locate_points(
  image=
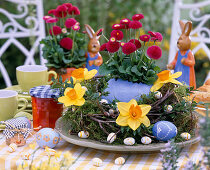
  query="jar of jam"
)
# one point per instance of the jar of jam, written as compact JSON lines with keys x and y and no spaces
{"x":46,"y":110}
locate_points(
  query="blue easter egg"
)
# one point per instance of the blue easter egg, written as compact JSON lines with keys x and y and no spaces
{"x":47,"y":137}
{"x":164,"y":130}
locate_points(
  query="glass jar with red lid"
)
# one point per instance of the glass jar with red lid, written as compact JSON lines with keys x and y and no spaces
{"x":46,"y":110}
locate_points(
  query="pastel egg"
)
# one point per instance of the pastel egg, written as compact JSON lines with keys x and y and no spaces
{"x":164,"y":130}
{"x":158,"y":95}
{"x":97,"y":162}
{"x":104,"y":101}
{"x":111,"y":137}
{"x":169,"y":108}
{"x":47,"y":137}
{"x":25,"y":156}
{"x":119,"y":161}
{"x":12,"y":147}
{"x":129,"y":141}
{"x":186,"y":136}
{"x":83,"y":134}
{"x":146,"y":140}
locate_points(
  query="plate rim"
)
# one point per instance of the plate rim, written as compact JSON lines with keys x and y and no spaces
{"x":74,"y":139}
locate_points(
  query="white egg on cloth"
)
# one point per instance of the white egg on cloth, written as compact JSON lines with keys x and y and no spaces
{"x":119,"y":161}
{"x":97,"y":162}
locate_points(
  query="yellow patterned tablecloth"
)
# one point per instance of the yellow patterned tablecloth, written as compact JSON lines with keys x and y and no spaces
{"x":83,"y":157}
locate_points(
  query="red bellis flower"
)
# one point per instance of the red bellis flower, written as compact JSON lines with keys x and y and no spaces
{"x":66,"y":43}
{"x":103,"y":47}
{"x":128,"y":48}
{"x":136,"y":42}
{"x":137,"y":17}
{"x":56,"y":30}
{"x":144,"y":38}
{"x":74,"y":11}
{"x":151,"y":33}
{"x":135,"y":25}
{"x":70,"y":22}
{"x":158,"y":37}
{"x":117,"y":34}
{"x":112,"y":46}
{"x":52,"y":20}
{"x":61,"y":11}
{"x":154,"y":52}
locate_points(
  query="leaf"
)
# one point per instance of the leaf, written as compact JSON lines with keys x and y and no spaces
{"x":66,"y":61}
{"x":150,"y":73}
{"x":103,"y":70}
{"x":121,"y":69}
{"x":135,"y":70}
{"x":81,"y":53}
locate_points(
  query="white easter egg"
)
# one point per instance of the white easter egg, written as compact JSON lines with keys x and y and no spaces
{"x":83,"y":134}
{"x":169,"y":108}
{"x":97,"y":162}
{"x":111,"y":111}
{"x":119,"y":161}
{"x":185,"y":136}
{"x":104,"y":101}
{"x":129,"y":141}
{"x":12,"y":147}
{"x":158,"y":95}
{"x":25,"y":156}
{"x":111,"y":137}
{"x":146,"y":140}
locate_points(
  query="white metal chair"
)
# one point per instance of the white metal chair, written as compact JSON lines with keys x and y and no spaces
{"x":16,"y":30}
{"x":203,"y":33}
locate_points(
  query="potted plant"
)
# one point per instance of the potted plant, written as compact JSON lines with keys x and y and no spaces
{"x":132,"y":59}
{"x":64,"y":47}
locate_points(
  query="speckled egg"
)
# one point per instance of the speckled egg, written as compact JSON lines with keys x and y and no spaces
{"x":83,"y":134}
{"x":47,"y":137}
{"x":164,"y":130}
{"x":129,"y":141}
{"x":12,"y":147}
{"x":97,"y":162}
{"x":146,"y":140}
{"x":186,"y":136}
{"x":111,"y":137}
{"x":169,"y":108}
{"x":158,"y":95}
{"x":25,"y":156}
{"x":119,"y":161}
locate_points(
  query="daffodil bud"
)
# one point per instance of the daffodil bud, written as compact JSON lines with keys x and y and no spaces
{"x":158,"y":95}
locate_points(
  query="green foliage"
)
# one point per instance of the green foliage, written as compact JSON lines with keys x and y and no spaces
{"x":58,"y":57}
{"x":135,"y":68}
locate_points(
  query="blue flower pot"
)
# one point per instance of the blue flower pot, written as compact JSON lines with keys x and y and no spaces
{"x":124,"y":91}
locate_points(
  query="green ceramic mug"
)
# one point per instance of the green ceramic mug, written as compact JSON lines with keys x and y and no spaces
{"x":9,"y":104}
{"x":29,"y":76}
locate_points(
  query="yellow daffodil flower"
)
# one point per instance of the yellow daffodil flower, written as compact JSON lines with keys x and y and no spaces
{"x":165,"y":77}
{"x":83,"y":74}
{"x":73,"y":96}
{"x":132,"y":114}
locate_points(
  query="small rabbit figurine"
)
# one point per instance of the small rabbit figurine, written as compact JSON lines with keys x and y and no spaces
{"x":184,"y":60}
{"x":94,"y":59}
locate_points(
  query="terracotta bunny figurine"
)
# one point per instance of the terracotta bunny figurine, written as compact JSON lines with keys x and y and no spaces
{"x":94,"y":59}
{"x":184,"y":60}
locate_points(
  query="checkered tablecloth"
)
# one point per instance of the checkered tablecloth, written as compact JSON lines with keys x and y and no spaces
{"x":83,"y":157}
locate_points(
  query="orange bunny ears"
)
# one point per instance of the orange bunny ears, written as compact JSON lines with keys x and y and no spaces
{"x":91,"y":33}
{"x":185,"y":27}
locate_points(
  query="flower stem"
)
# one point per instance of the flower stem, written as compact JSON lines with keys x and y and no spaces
{"x":73,"y":43}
